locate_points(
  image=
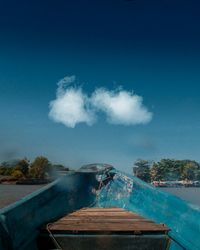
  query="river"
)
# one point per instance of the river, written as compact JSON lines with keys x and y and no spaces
{"x":190,"y":194}
{"x":12,"y":193}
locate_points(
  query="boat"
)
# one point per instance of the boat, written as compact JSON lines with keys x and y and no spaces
{"x":99,"y":186}
{"x":104,"y":228}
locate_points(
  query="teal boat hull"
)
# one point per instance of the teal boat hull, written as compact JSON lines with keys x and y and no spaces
{"x":181,"y":217}
{"x":21,"y":222}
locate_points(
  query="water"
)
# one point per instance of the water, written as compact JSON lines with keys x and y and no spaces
{"x":190,"y":194}
{"x":12,"y":193}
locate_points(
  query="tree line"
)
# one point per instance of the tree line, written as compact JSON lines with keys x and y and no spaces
{"x":167,"y":170}
{"x":39,"y":168}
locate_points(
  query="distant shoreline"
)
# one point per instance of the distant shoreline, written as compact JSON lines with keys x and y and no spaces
{"x":25,"y":182}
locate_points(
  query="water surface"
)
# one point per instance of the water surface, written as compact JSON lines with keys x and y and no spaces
{"x":191,"y":194}
{"x":12,"y":193}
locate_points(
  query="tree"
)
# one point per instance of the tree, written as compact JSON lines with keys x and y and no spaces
{"x":40,"y":168}
{"x":17,"y":174}
{"x":197,"y":175}
{"x":171,"y":169}
{"x":188,"y":172}
{"x":156,"y":172}
{"x":2,"y":170}
{"x":8,"y":171}
{"x":23,"y":166}
{"x":142,"y":170}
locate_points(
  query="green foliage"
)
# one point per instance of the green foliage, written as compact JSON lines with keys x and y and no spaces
{"x":156,"y":172}
{"x":40,"y":168}
{"x":167,"y":170}
{"x":17,"y":174}
{"x":197,"y":175}
{"x":188,"y":172}
{"x":8,"y":171}
{"x":2,"y":170}
{"x":23,"y":166}
{"x":142,"y":170}
{"x":8,"y":167}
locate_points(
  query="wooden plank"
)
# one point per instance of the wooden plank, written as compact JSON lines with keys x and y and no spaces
{"x":102,"y":213}
{"x":110,"y":218}
{"x":106,"y":216}
{"x":108,"y":227}
{"x":125,"y":220}
{"x":106,"y":220}
{"x":135,"y":223}
{"x":73,"y":222}
{"x":102,"y":209}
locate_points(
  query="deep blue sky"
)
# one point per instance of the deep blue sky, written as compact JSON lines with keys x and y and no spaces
{"x":151,"y":47}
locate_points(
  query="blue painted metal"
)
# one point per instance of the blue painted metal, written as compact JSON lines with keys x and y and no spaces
{"x":135,"y":195}
{"x":21,"y":221}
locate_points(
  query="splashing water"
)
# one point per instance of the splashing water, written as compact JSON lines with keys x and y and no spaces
{"x":117,"y":192}
{"x":130,"y":193}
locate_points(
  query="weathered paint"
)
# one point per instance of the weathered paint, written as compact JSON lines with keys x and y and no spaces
{"x":21,"y":221}
{"x":180,"y":216}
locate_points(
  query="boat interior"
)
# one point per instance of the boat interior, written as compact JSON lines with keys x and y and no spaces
{"x":103,"y":228}
{"x":99,"y":207}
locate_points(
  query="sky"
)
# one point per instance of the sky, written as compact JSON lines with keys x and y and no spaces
{"x":100,"y":81}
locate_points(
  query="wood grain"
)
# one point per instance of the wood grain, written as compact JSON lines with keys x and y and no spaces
{"x":106,"y":220}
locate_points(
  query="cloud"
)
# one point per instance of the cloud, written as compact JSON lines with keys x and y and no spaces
{"x":121,"y":107}
{"x":64,"y":83}
{"x":73,"y":106}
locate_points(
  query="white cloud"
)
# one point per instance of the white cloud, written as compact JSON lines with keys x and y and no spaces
{"x":64,"y":83}
{"x":73,"y":106}
{"x":121,"y":107}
